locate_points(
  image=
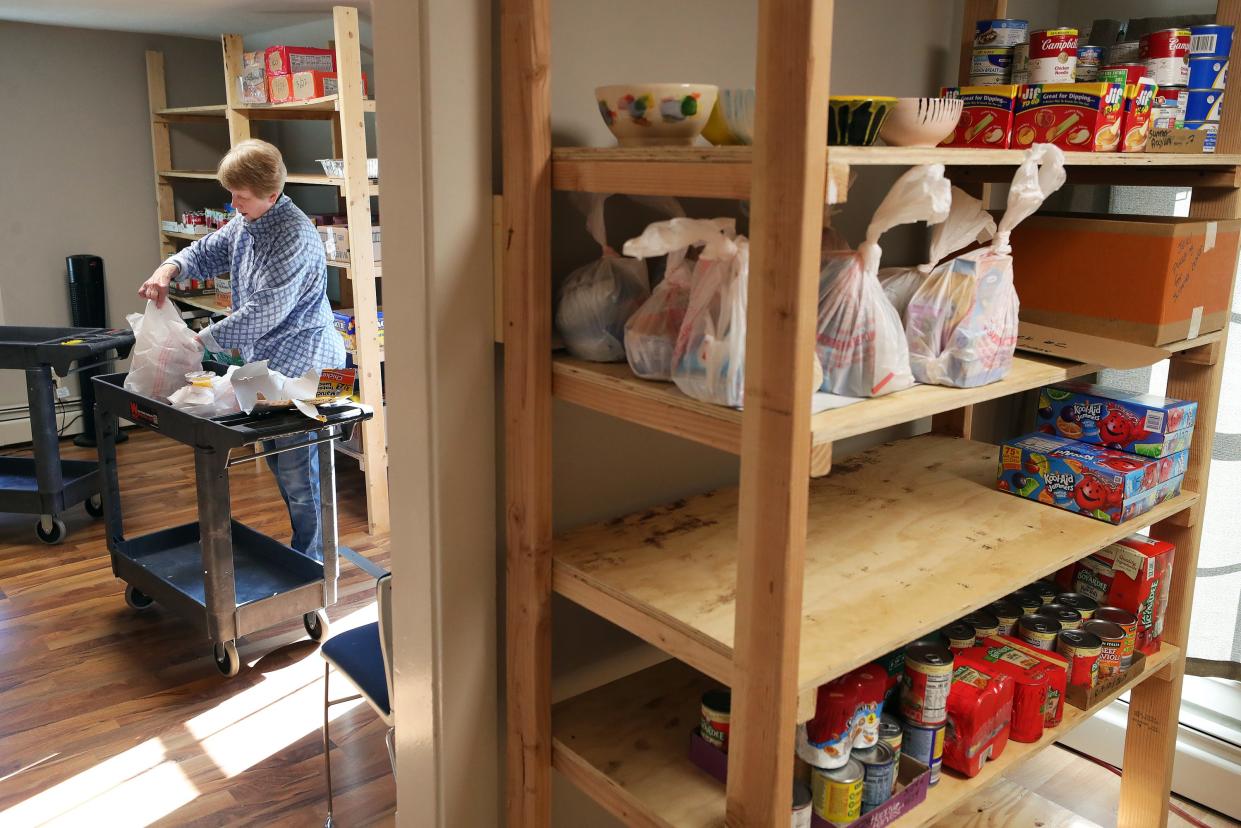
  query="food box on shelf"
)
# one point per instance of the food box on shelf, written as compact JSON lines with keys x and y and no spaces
{"x":1080,"y":117}
{"x":1098,"y":482}
{"x":336,"y":241}
{"x":192,"y":287}
{"x":1136,"y":121}
{"x":313,"y":84}
{"x":1084,"y":697}
{"x":1135,"y":574}
{"x":1163,"y":278}
{"x":1179,"y":139}
{"x":253,"y":78}
{"x":1145,"y":424}
{"x":986,"y":116}
{"x":345,"y":322}
{"x":284,"y":60}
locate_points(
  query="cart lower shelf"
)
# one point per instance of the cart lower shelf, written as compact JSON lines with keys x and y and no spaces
{"x":19,"y":486}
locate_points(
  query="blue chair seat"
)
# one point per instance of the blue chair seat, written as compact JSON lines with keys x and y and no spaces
{"x":357,"y":654}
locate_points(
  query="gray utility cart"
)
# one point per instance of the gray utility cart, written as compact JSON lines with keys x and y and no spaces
{"x":217,"y":573}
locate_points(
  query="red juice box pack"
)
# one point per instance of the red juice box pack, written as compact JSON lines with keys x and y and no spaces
{"x":1098,"y":482}
{"x":986,"y":116}
{"x":1135,"y":574}
{"x":1144,"y":424}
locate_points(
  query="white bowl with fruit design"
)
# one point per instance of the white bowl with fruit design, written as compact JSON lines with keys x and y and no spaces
{"x":656,"y":114}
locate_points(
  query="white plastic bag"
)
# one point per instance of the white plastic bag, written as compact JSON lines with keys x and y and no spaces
{"x":968,"y":222}
{"x":165,"y":350}
{"x":597,"y":299}
{"x":214,"y":400}
{"x":962,"y":321}
{"x":861,"y":343}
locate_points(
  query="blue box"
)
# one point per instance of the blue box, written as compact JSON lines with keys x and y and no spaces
{"x":1098,"y":482}
{"x":1144,"y":424}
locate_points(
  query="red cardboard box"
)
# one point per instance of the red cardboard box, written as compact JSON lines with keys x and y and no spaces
{"x":284,"y":60}
{"x":312,"y":84}
{"x":1134,"y":574}
{"x":1135,"y":124}
{"x":986,"y":116}
{"x":980,"y":710}
{"x":1077,"y":117}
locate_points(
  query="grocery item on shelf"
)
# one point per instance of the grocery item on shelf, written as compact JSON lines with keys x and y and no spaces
{"x":1038,"y":630}
{"x":1168,"y":107}
{"x":991,"y":65}
{"x":1211,"y":39}
{"x":837,"y":792}
{"x":1166,"y":55}
{"x":1111,"y":643}
{"x":1027,"y":599}
{"x":967,"y":222}
{"x":920,"y":122}
{"x":961,"y":323}
{"x":656,"y":114}
{"x":855,"y":120}
{"x":1040,"y":680}
{"x":1044,"y":590}
{"x":596,"y":300}
{"x":1089,"y":59}
{"x":253,"y":78}
{"x":922,"y":746}
{"x":335,"y":239}
{"x":1057,"y":668}
{"x":1068,"y":617}
{"x":1176,"y":273}
{"x":335,"y":167}
{"x":1007,"y":613}
{"x":1204,"y":105}
{"x":872,"y":681}
{"x":1082,"y":650}
{"x":1098,"y":482}
{"x":1145,"y":424}
{"x":1136,"y":117}
{"x":1123,"y":73}
{"x":1210,"y":133}
{"x":924,"y":687}
{"x":1124,"y":51}
{"x":984,"y":622}
{"x":224,"y":291}
{"x":346,"y":324}
{"x":1002,"y":33}
{"x":1128,"y":622}
{"x":860,"y":340}
{"x":878,"y":775}
{"x":283,"y":60}
{"x":986,"y":116}
{"x":1053,"y":56}
{"x":959,"y":635}
{"x":826,"y":740}
{"x":1085,"y":605}
{"x":716,"y":711}
{"x":980,"y":711}
{"x":1208,"y":72}
{"x":1021,"y":63}
{"x":1080,"y":117}
{"x":312,"y":84}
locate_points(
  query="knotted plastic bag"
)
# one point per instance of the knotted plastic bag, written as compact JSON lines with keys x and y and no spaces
{"x":962,"y":320}
{"x":968,"y":222}
{"x":165,"y":350}
{"x":860,"y":342}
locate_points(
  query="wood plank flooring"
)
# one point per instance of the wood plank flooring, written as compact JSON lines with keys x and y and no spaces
{"x":113,"y":717}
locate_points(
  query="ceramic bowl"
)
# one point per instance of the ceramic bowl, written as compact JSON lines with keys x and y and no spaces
{"x":855,"y":120}
{"x":656,"y":114}
{"x":732,"y":120}
{"x":920,"y":122}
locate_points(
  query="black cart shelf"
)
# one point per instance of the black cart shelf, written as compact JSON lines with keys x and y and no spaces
{"x":217,"y":573}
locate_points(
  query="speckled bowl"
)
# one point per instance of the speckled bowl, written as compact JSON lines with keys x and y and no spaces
{"x":656,"y":114}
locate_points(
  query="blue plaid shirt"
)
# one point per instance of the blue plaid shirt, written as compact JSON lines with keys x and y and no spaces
{"x":279,"y":276}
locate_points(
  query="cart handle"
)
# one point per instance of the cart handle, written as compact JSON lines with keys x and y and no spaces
{"x":236,"y":461}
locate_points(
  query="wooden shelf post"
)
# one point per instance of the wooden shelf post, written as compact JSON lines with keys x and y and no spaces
{"x":238,"y":120}
{"x":161,"y":148}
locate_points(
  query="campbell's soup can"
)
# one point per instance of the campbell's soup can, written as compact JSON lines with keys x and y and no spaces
{"x":1126,"y":51}
{"x":991,"y":63}
{"x":1210,"y":39}
{"x":1053,"y":55}
{"x":1166,"y":55}
{"x":1111,"y":641}
{"x":836,"y":793}
{"x":1082,"y":649}
{"x":925,"y":746}
{"x":1002,"y":34}
{"x":1089,"y":59}
{"x":1069,"y":618}
{"x":1168,"y":106}
{"x":924,"y":687}
{"x":1038,"y":630}
{"x":1207,"y":72}
{"x":878,"y":775}
{"x":802,"y":800}
{"x":1021,"y":63}
{"x":1124,"y":619}
{"x":1204,"y":105}
{"x":1210,"y":130}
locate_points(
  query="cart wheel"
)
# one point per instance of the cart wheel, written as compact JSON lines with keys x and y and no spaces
{"x":94,"y":506}
{"x":136,"y":599}
{"x":316,"y":624}
{"x":226,"y":659}
{"x":51,"y":529}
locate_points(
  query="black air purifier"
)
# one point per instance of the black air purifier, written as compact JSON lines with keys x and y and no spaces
{"x":88,"y":308}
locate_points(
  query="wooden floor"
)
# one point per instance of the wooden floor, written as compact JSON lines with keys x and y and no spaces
{"x":113,"y":717}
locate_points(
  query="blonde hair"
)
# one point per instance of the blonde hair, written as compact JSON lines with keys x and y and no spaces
{"x":253,"y":165}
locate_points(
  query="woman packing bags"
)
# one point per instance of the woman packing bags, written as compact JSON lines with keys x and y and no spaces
{"x":962,"y":320}
{"x":861,"y":342}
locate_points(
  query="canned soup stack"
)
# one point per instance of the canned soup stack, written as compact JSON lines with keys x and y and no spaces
{"x":1206,"y":75}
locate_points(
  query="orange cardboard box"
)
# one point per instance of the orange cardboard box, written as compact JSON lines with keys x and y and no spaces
{"x":1150,"y":280}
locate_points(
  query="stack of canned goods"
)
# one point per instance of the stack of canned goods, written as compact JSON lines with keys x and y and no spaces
{"x":995,"y":42}
{"x":1206,"y":74}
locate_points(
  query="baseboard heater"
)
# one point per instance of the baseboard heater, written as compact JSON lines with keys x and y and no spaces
{"x":15,"y":422}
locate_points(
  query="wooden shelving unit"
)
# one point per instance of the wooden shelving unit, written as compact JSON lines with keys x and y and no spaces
{"x":347,"y":112}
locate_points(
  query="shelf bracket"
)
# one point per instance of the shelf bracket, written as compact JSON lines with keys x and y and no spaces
{"x":820,"y":459}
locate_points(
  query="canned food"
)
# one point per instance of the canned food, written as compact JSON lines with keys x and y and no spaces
{"x":959,"y":634}
{"x":1027,"y":600}
{"x":1204,"y":104}
{"x":985,"y":623}
{"x":1082,"y":650}
{"x":1126,"y":51}
{"x":1211,"y":128}
{"x":1124,"y":619}
{"x":1069,"y":618}
{"x":1208,"y":72}
{"x":1053,"y":55}
{"x":992,"y":63}
{"x":1006,"y":613}
{"x":1084,"y":604}
{"x":713,"y":725}
{"x":1089,"y":59}
{"x":878,"y":775}
{"x":1044,"y":590}
{"x":1111,"y":640}
{"x":1168,"y":108}
{"x":925,"y":747}
{"x":1210,"y":39}
{"x":1004,"y":33}
{"x":1123,"y":73}
{"x":924,"y":689}
{"x":991,"y":80}
{"x":1166,"y":55}
{"x":890,"y":733}
{"x":836,"y":794}
{"x":802,"y":799}
{"x":1021,"y":62}
{"x":1038,"y":631}
{"x":873,"y":681}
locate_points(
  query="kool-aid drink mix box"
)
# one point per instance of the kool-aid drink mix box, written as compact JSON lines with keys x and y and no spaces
{"x":1144,"y":424}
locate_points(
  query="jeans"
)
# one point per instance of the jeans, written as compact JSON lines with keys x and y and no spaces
{"x":297,"y":475}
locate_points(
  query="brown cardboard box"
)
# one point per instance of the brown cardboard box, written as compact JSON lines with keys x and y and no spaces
{"x":1149,"y":280}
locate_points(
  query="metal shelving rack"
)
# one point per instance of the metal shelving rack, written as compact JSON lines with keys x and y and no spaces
{"x":347,"y":113}
{"x":759,"y":587}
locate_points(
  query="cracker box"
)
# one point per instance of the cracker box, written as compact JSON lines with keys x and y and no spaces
{"x":312,"y":84}
{"x":346,"y":325}
{"x":980,"y":711}
{"x":1144,"y":424}
{"x":284,"y":60}
{"x":1135,"y":123}
{"x":986,"y":116}
{"x":1098,"y":482}
{"x":1135,"y":574}
{"x":1079,"y":117}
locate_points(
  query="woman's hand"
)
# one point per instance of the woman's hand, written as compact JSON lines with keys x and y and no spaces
{"x":156,"y":287}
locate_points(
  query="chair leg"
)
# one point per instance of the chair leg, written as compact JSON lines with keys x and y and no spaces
{"x":390,"y":741}
{"x":327,"y":755}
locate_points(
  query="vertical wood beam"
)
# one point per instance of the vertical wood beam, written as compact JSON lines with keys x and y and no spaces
{"x":794,"y":41}
{"x":238,"y":122}
{"x":525,"y":54}
{"x":161,"y":148}
{"x":362,"y":262}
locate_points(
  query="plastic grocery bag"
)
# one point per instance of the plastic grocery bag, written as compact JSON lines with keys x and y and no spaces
{"x":165,"y":350}
{"x":651,"y":333}
{"x":214,"y":398}
{"x":597,"y":299}
{"x":968,"y":221}
{"x":861,"y":342}
{"x":962,"y":321}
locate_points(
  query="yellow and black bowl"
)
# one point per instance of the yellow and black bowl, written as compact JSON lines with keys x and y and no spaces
{"x":854,"y":120}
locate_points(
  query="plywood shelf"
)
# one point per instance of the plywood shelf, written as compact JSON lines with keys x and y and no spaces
{"x":206,"y":303}
{"x":323,"y":108}
{"x":213,"y":113}
{"x":315,"y":179}
{"x":901,"y":539}
{"x":184,"y":236}
{"x":626,"y":745}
